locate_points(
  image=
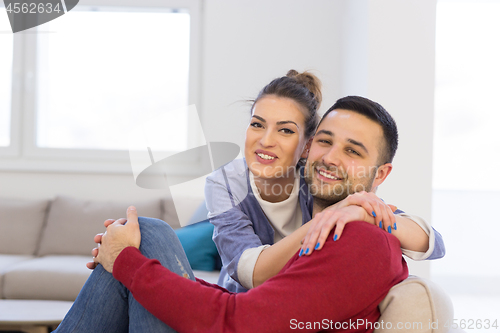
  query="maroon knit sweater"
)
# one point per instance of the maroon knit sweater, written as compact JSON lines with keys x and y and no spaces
{"x":335,"y":289}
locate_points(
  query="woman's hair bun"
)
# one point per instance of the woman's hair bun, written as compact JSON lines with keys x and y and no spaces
{"x":310,"y":81}
{"x":292,"y":73}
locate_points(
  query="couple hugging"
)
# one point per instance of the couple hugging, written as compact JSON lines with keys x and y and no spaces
{"x":302,"y":236}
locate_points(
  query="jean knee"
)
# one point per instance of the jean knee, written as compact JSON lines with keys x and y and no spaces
{"x":148,"y":222}
{"x":155,"y":227}
{"x":158,"y":240}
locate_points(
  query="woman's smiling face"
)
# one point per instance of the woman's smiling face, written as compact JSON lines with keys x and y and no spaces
{"x":275,"y":139}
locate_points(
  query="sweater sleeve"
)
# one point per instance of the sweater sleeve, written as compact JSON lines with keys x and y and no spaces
{"x":344,"y":281}
{"x":246,"y":265}
{"x":436,"y":245}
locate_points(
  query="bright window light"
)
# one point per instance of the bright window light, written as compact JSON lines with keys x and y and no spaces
{"x":102,"y":72}
{"x":6,"y":49}
{"x":466,"y":140}
{"x":466,"y":161}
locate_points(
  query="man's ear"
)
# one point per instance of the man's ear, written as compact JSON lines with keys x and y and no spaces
{"x":382,"y":172}
{"x":305,"y":153}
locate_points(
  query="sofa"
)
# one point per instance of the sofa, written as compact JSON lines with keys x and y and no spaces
{"x":44,"y":245}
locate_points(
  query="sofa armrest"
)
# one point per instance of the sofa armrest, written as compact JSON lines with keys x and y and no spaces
{"x":415,"y":305}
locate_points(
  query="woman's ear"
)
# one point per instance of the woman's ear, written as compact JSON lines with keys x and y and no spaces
{"x":305,"y":153}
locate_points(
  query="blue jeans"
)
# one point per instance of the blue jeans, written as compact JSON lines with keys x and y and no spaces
{"x":105,"y":305}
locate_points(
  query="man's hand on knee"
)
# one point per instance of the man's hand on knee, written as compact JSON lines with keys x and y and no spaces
{"x":97,"y":239}
{"x":120,"y":234}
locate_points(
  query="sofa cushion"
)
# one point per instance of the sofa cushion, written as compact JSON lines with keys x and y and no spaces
{"x":49,"y":278}
{"x":211,"y":277}
{"x":200,"y":214}
{"x":21,"y":223}
{"x":6,"y":262}
{"x":186,"y":205}
{"x":169,"y":214}
{"x":200,"y":249}
{"x":73,"y":223}
{"x":415,"y":305}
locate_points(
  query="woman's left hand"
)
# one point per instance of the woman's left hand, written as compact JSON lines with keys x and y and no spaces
{"x":361,"y":206}
{"x":374,"y":206}
{"x":323,"y":223}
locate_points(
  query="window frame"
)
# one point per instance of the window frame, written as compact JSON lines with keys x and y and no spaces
{"x":23,"y":153}
{"x":13,"y":149}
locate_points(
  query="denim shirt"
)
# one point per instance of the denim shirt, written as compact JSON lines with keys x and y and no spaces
{"x":239,"y":221}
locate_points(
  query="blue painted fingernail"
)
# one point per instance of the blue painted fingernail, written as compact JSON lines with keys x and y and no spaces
{"x":317,"y":246}
{"x":380,"y":224}
{"x":301,"y":251}
{"x":374,"y":215}
{"x":395,"y":227}
{"x":335,"y":237}
{"x":307,"y":250}
{"x":389,"y":229}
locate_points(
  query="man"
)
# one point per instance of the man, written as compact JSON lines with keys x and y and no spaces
{"x":337,"y":288}
{"x":360,"y":164}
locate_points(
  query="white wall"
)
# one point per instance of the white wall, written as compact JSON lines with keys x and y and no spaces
{"x":381,"y":49}
{"x":388,"y":56}
{"x":248,"y":43}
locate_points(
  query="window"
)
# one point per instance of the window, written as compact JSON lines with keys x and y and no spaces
{"x":466,"y":186}
{"x":6,"y":45}
{"x":467,"y":86}
{"x":83,"y":81}
{"x":97,"y":81}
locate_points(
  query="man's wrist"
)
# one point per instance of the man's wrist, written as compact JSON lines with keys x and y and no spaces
{"x":126,"y":263}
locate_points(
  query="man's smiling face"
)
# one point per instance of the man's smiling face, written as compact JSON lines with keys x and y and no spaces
{"x":344,"y":156}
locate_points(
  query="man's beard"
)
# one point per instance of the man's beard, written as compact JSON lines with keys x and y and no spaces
{"x":326,"y":194}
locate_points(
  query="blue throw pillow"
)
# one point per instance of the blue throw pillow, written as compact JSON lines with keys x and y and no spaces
{"x":196,"y":239}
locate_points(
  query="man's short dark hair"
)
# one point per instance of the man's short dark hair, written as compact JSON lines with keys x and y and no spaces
{"x":378,"y":114}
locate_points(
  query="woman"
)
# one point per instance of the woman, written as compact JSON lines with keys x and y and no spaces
{"x":259,"y":205}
